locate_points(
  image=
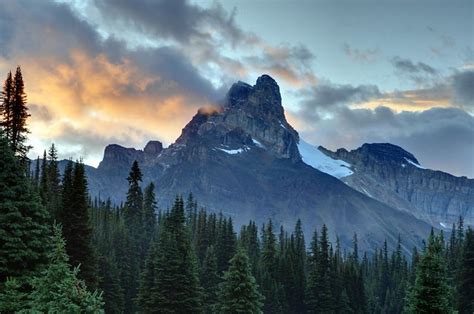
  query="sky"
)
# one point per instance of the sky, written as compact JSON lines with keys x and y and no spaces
{"x":351,"y":72}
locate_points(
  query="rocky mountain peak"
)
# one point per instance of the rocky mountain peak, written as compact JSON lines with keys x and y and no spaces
{"x":153,"y":148}
{"x":249,"y":115}
{"x":387,"y":152}
{"x":263,"y":100}
{"x":384,"y":153}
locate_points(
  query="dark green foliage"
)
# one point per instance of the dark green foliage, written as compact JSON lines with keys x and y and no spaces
{"x":6,"y":105}
{"x":23,"y":220}
{"x":12,"y":299}
{"x":430,"y":293}
{"x":466,"y":278}
{"x":58,"y":290}
{"x":172,"y":272}
{"x":110,"y":285}
{"x":134,"y":243}
{"x":53,"y":180}
{"x":16,"y":114}
{"x":225,"y":244}
{"x":319,"y":295}
{"x":209,"y":280}
{"x":149,"y":211}
{"x":76,"y":223}
{"x":239,"y":291}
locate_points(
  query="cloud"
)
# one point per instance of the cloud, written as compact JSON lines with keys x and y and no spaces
{"x":463,"y":86}
{"x":168,"y":19}
{"x":407,"y":66}
{"x":433,"y":122}
{"x":368,"y":55}
{"x":290,"y":63}
{"x":325,"y":97}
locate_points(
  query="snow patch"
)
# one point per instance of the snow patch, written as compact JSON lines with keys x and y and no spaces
{"x":315,"y":158}
{"x":281,"y":124}
{"x":442,"y":224}
{"x":232,"y":151}
{"x":258,"y":143}
{"x":367,"y":193}
{"x":414,"y":164}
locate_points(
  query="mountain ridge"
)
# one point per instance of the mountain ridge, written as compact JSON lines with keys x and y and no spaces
{"x":242,"y":157}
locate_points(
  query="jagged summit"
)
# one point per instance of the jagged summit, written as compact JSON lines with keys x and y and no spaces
{"x":249,"y":116}
{"x":263,"y":100}
{"x":374,"y":152}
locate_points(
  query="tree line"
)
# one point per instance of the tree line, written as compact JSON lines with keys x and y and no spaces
{"x":61,"y":251}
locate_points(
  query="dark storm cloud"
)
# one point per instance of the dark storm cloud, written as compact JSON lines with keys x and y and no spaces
{"x":441,"y":138}
{"x":463,"y":86}
{"x":52,"y":30}
{"x":326,"y":97}
{"x":407,"y":66}
{"x":175,"y":19}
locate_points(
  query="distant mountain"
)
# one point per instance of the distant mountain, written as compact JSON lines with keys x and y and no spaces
{"x":242,"y":157}
{"x":392,"y":175}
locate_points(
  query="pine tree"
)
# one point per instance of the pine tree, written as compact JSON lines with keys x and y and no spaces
{"x":176,"y":283}
{"x":53,"y":180}
{"x":110,"y":285}
{"x":430,"y":293}
{"x":466,"y":291}
{"x":148,"y":275}
{"x":58,"y":290}
{"x":133,"y":205}
{"x":239,"y":291}
{"x":299,"y":269}
{"x":271,"y":288}
{"x":43,"y":185}
{"x":77,"y":228}
{"x":12,"y":298}
{"x":24,"y":226}
{"x":226,"y":244}
{"x":209,"y":280}
{"x":320,"y":299}
{"x":19,"y":114}
{"x":6,"y":106}
{"x":149,"y":211}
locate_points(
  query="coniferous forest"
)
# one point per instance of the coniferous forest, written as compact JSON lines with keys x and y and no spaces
{"x":63,"y":251}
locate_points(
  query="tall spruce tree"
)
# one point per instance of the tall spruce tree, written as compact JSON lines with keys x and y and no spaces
{"x":6,"y":106}
{"x":24,"y":230}
{"x":210,"y":280}
{"x":58,"y":289}
{"x":176,"y":282}
{"x":19,"y":114}
{"x":430,"y":293}
{"x":319,"y":297}
{"x":133,"y":219}
{"x":149,"y":211}
{"x":239,"y":291}
{"x":466,"y":278}
{"x":76,"y":223}
{"x":53,"y":180}
{"x":270,"y":286}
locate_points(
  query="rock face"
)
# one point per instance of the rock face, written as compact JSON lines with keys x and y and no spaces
{"x":242,"y":158}
{"x":392,"y":175}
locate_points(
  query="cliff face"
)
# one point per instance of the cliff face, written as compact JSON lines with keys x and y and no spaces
{"x":392,"y":175}
{"x":242,"y":157}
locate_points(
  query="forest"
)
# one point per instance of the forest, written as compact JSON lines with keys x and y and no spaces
{"x":63,"y":251}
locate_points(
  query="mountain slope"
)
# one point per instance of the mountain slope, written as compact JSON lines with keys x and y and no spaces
{"x":243,"y":158}
{"x":393,"y":176}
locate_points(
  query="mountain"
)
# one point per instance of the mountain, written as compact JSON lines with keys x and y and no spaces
{"x":243,"y":158}
{"x":393,"y":176}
